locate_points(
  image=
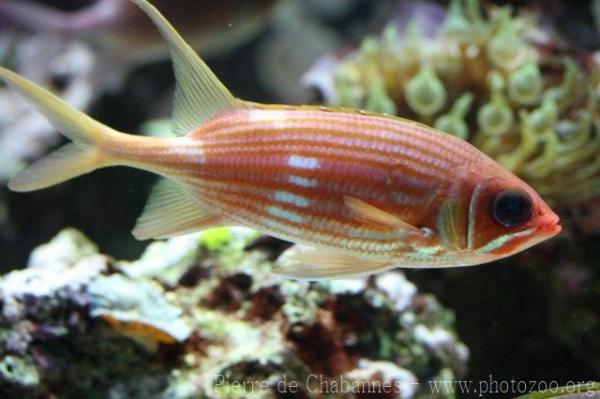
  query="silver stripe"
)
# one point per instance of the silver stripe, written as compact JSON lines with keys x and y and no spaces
{"x":285,"y":214}
{"x":302,"y":181}
{"x":365,"y":144}
{"x":302,"y":162}
{"x":290,"y":198}
{"x":355,"y":154}
{"x":500,"y":241}
{"x":473,"y":212}
{"x":369,"y":126}
{"x":247,"y":211}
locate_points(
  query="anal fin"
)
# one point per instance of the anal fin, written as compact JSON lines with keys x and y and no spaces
{"x":302,"y":262}
{"x":172,"y":211}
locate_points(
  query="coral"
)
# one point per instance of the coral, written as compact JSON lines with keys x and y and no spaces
{"x":123,"y":30}
{"x":303,"y":31}
{"x":204,"y":316}
{"x":298,"y":37}
{"x":499,"y":81}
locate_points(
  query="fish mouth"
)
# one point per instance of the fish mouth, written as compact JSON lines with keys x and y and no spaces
{"x":551,"y":228}
{"x":541,"y":233}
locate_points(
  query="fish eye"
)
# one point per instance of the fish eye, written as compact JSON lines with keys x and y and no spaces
{"x":511,"y":207}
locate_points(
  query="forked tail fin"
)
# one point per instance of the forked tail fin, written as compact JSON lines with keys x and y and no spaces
{"x":199,"y":95}
{"x":81,"y":156}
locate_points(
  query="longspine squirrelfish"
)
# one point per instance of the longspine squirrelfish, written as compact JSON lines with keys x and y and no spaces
{"x":362,"y":192}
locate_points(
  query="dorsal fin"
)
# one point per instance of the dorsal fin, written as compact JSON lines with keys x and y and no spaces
{"x":171,"y":211}
{"x":199,"y":93}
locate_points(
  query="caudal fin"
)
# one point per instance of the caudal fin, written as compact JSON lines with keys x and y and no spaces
{"x":199,"y":95}
{"x":79,"y":157}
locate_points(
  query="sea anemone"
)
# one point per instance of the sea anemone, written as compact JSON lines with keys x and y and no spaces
{"x":498,"y":81}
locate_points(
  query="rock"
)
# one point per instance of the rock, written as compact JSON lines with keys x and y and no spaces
{"x":137,"y":309}
{"x":203,"y":316}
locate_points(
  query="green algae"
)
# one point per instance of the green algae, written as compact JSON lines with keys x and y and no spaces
{"x":221,"y":325}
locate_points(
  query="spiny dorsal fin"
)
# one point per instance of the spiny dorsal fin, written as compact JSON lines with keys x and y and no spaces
{"x":199,"y":93}
{"x":303,"y":262}
{"x":171,"y":211}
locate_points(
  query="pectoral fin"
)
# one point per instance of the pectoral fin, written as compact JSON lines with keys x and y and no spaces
{"x":308,"y":263}
{"x":372,"y":214}
{"x":171,"y":211}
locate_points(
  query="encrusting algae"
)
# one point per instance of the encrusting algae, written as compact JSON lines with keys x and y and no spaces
{"x":203,"y":316}
{"x":497,"y":82}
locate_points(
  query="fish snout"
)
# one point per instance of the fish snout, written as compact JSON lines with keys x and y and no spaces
{"x":551,"y":225}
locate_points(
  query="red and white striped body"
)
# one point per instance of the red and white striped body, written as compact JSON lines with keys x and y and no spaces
{"x":367,"y":192}
{"x":286,"y":172}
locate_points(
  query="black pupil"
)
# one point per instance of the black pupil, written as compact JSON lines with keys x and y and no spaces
{"x":511,"y":208}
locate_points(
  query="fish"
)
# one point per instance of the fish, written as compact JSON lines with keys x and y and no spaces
{"x":118,"y":27}
{"x":360,"y":192}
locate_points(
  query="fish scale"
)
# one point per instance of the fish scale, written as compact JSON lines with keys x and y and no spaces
{"x":331,"y":186}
